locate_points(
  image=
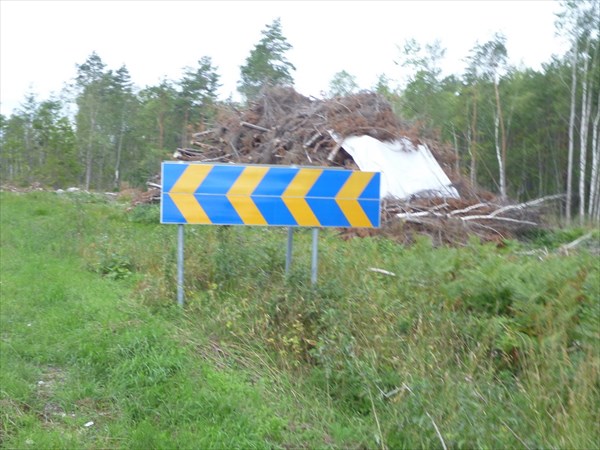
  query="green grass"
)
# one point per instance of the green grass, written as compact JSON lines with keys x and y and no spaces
{"x":473,"y":347}
{"x":76,"y":349}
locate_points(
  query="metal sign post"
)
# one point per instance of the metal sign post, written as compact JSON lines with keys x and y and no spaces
{"x":315,"y":256}
{"x":288,"y":253}
{"x":180,"y":265}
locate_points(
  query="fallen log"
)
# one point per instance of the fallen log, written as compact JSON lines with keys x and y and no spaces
{"x":468,"y":208}
{"x":204,"y":133}
{"x":237,"y":155}
{"x":501,"y":219}
{"x":333,"y":153}
{"x":564,"y":249}
{"x":312,"y":140}
{"x":527,"y":204}
{"x":203,"y":145}
{"x":255,"y":127}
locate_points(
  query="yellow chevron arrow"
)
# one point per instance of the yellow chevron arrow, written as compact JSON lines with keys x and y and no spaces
{"x":294,"y":197}
{"x":189,"y":208}
{"x":347,"y":199}
{"x":191,"y":178}
{"x":240,"y":192}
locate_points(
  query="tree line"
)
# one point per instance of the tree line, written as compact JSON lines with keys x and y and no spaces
{"x":519,"y":132}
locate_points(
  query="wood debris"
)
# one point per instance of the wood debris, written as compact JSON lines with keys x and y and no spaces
{"x":284,"y":127}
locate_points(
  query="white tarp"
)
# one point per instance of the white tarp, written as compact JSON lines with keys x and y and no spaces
{"x":406,"y":170}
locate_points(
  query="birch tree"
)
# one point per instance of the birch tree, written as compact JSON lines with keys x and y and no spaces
{"x":579,"y":21}
{"x":594,"y":200}
{"x":420,"y":97}
{"x":569,"y":200}
{"x":491,"y":57}
{"x":586,"y":100}
{"x":590,"y":92}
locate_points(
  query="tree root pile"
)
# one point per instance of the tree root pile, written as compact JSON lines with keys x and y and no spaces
{"x":284,"y":127}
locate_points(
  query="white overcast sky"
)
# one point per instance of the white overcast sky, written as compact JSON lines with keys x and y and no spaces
{"x":42,"y":41}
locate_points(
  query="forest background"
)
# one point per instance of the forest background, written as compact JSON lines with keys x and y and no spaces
{"x":518,"y":132}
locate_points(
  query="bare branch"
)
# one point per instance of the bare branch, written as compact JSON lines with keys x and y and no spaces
{"x":256,"y":127}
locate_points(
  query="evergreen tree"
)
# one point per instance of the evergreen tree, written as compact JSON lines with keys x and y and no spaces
{"x":383,"y":88}
{"x":37,"y":144}
{"x":156,"y":120}
{"x":104,"y":119}
{"x":197,"y":96}
{"x":267,"y":64}
{"x":13,"y":167}
{"x":342,"y":84}
{"x":91,"y":86}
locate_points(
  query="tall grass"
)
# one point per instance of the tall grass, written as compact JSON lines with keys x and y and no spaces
{"x":473,"y":347}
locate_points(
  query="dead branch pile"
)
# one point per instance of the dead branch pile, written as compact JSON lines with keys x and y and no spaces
{"x":455,"y":221}
{"x":284,"y":127}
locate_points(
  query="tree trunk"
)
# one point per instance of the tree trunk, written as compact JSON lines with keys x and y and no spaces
{"x":89,"y":154}
{"x":541,"y":174}
{"x":161,"y":130}
{"x":29,"y":151}
{"x":456,"y":154}
{"x":502,"y":152}
{"x":473,"y":141}
{"x":586,"y":100}
{"x":571,"y":134}
{"x":594,"y":199}
{"x":500,"y":139}
{"x":185,"y":126}
{"x":117,"y":181}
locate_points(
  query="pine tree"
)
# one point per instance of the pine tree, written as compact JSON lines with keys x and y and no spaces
{"x":342,"y":84}
{"x":267,"y":64}
{"x":198,"y":95}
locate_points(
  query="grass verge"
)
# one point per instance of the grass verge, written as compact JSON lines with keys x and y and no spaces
{"x":474,"y":347}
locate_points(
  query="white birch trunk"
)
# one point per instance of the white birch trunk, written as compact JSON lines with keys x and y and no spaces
{"x":571,"y":134}
{"x":586,"y":100}
{"x":502,"y":187}
{"x":500,"y":141}
{"x":473,"y":142}
{"x":117,"y":179}
{"x":594,"y":199}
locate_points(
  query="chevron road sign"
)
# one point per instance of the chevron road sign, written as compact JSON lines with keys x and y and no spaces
{"x":221,"y":194}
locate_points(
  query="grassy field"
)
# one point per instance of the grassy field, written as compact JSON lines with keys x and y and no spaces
{"x":471,"y":347}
